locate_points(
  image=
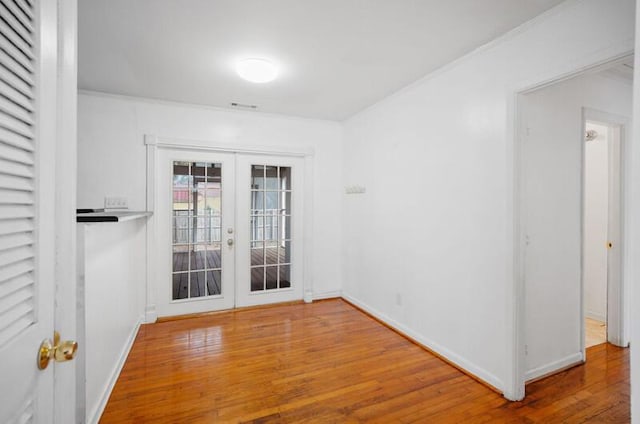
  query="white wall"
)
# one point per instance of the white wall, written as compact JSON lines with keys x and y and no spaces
{"x":596,"y":219}
{"x":631,"y":264}
{"x":429,"y":246}
{"x":552,"y":209}
{"x":111,"y":158}
{"x":111,"y":279}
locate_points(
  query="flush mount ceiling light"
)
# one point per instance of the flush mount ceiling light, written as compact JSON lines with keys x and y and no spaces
{"x":257,"y":70}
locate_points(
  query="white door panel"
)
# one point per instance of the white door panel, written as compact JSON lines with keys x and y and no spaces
{"x":269,"y":229}
{"x":195,"y":212}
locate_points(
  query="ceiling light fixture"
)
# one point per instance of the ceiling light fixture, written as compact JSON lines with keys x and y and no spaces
{"x":257,"y":70}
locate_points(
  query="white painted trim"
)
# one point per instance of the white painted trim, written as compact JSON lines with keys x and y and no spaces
{"x":307,"y":227}
{"x":573,"y":359}
{"x":612,"y":57}
{"x":216,"y":146}
{"x":579,"y":137}
{"x":67,"y":386}
{"x":454,"y":358}
{"x":95,"y":415}
{"x":151,"y":145}
{"x":328,"y":295}
{"x":199,"y":106}
{"x":514,"y":389}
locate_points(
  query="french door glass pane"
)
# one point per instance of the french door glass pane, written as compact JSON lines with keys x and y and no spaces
{"x":270,"y":227}
{"x":257,"y":278}
{"x":197,"y":268}
{"x":284,"y":273}
{"x":271,"y":178}
{"x":257,"y":177}
{"x":271,"y":280}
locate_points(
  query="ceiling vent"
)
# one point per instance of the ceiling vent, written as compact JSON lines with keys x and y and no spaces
{"x":243,"y":105}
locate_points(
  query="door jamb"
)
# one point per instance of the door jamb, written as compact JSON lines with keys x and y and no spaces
{"x":620,"y":336}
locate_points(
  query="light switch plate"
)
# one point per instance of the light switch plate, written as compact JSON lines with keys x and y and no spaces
{"x":355,"y":189}
{"x":116,"y":202}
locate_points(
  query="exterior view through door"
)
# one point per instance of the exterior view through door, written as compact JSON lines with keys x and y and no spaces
{"x":232,"y":223}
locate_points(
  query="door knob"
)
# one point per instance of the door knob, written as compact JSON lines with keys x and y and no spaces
{"x":230,"y":242}
{"x":58,"y":351}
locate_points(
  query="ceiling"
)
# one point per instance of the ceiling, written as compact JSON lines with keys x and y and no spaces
{"x":336,"y":56}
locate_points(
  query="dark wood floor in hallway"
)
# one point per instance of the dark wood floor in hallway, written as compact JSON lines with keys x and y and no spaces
{"x":327,"y":362}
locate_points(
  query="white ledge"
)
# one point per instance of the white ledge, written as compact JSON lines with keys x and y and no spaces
{"x":111,"y":216}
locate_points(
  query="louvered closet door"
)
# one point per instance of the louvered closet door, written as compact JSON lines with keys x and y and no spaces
{"x":27,"y":130}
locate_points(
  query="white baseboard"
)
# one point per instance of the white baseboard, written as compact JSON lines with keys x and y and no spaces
{"x":150,"y":314}
{"x":95,"y":415}
{"x":452,"y":357}
{"x":595,"y":315}
{"x":573,"y":359}
{"x":327,"y":295}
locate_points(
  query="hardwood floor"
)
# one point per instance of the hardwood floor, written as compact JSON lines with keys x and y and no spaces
{"x":327,"y":362}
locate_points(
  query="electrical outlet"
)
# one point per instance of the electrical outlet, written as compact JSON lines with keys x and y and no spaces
{"x":113,"y":202}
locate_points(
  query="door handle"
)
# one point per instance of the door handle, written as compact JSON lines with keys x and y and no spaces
{"x":58,"y":351}
{"x":230,"y":242}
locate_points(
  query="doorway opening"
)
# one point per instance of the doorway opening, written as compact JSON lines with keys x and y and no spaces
{"x":230,"y":230}
{"x":601,"y":224}
{"x":570,"y":203}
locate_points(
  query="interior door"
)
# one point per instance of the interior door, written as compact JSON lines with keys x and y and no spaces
{"x":269,"y":223}
{"x":27,"y":187}
{"x":195,"y":221}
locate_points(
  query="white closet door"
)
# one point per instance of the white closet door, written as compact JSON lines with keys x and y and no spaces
{"x":27,"y":148}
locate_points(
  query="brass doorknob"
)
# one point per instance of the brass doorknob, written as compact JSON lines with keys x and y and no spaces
{"x":58,"y":351}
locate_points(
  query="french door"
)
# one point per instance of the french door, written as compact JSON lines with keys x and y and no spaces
{"x":230,"y":230}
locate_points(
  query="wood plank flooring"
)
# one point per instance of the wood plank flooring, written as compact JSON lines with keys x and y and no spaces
{"x":327,"y":362}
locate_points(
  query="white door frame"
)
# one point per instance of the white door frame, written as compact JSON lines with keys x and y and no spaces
{"x":153,"y":142}
{"x":69,"y":387}
{"x":617,"y":299}
{"x":515,"y":386}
